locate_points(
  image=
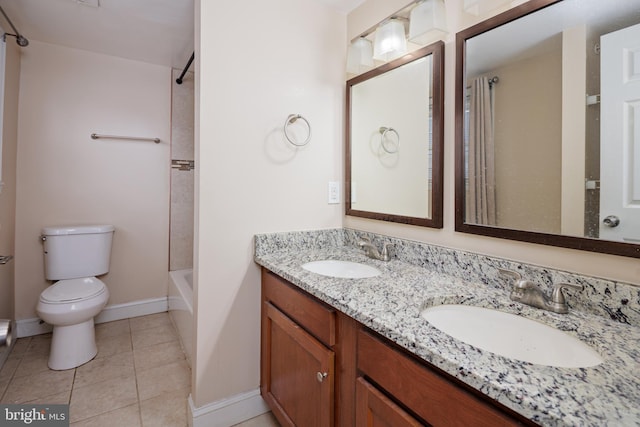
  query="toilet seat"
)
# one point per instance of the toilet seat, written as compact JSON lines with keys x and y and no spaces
{"x":70,"y":290}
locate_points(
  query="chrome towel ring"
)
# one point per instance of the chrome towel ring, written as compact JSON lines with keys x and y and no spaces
{"x":384,"y":131}
{"x":292,"y":119}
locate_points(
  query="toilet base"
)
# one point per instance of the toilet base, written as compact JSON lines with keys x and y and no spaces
{"x":72,"y":346}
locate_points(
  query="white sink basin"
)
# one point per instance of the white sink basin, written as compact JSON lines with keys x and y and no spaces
{"x":512,"y":336}
{"x":342,"y":269}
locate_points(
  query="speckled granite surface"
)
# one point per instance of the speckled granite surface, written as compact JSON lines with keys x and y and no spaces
{"x":606,"y":315}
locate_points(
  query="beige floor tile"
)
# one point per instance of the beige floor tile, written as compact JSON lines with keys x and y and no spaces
{"x":55,"y":399}
{"x":157,"y":355}
{"x":264,"y":420}
{"x":166,"y":410}
{"x":110,"y":345}
{"x":174,"y":377}
{"x":129,"y":416}
{"x":9,"y":368}
{"x":40,"y":344}
{"x":139,"y":360}
{"x":25,"y":389}
{"x":151,"y":321}
{"x":111,"y":329}
{"x":21,"y":346}
{"x":32,"y":364}
{"x":102,"y":397}
{"x":4,"y":383}
{"x":102,"y":369}
{"x":152,"y":336}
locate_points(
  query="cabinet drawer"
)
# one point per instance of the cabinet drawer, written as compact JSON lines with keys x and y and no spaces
{"x":374,"y":409}
{"x":317,"y":318}
{"x":426,"y":393}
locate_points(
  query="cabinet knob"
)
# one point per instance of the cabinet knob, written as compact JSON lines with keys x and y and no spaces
{"x":321,"y":376}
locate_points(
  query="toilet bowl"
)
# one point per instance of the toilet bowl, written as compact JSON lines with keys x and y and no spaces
{"x":70,"y":306}
{"x":74,"y":255}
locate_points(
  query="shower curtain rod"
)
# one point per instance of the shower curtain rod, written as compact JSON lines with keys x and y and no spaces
{"x":179,"y":79}
{"x":20,"y":39}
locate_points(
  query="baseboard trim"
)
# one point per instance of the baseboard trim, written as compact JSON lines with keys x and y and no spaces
{"x":229,"y":411}
{"x":31,"y":327}
{"x":132,"y":309}
{"x":35,"y":326}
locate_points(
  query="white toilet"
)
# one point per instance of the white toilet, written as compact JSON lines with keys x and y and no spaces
{"x":73,"y":256}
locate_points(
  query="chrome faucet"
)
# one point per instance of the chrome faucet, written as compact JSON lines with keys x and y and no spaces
{"x":529,"y":293}
{"x":372,"y":252}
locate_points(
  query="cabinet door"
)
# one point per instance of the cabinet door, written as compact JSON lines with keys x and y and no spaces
{"x":297,"y":372}
{"x":374,"y":409}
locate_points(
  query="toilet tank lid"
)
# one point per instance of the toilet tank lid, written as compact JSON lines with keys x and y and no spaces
{"x":77,"y":229}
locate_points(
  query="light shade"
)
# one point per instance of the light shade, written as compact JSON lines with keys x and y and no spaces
{"x":390,"y":42}
{"x":360,"y":56}
{"x":428,"y":22}
{"x":480,"y":7}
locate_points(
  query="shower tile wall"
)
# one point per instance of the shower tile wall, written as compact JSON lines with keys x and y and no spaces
{"x":181,"y":227}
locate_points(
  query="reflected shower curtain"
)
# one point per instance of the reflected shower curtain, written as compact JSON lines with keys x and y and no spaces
{"x":481,"y":194}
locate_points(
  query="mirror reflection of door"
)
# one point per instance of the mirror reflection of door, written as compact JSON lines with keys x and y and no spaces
{"x":620,"y":129}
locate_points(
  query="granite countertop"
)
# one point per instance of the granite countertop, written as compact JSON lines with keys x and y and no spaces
{"x":390,"y":304}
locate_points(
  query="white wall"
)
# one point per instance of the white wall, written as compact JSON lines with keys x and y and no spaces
{"x":65,"y":177}
{"x":257,"y":62}
{"x":608,"y":266}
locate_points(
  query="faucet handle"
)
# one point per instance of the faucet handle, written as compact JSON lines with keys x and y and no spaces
{"x":388,"y":251}
{"x":510,"y":273}
{"x":363,"y":240}
{"x":557,"y":297}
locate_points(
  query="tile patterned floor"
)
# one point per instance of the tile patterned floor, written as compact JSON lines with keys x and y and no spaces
{"x":140,"y":377}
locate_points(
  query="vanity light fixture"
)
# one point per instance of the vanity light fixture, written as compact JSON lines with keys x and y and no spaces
{"x":480,"y":7}
{"x":360,"y":56}
{"x":428,"y":22}
{"x":390,"y":41}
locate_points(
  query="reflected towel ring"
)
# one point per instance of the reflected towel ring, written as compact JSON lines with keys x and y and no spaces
{"x":292,"y":119}
{"x":384,"y":131}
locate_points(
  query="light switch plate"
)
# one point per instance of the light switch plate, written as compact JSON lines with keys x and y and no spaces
{"x":334,"y":192}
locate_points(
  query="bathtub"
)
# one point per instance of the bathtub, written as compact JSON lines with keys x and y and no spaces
{"x":181,"y":307}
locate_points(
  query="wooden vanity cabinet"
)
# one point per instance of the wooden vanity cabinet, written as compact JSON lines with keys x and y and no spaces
{"x":413,"y":386}
{"x":374,"y":409}
{"x":321,"y":368}
{"x":297,"y":357}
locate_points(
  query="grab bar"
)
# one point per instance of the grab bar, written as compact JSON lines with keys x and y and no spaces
{"x":134,"y":138}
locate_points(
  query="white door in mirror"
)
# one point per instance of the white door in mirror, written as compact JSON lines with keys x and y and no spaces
{"x":620,"y":135}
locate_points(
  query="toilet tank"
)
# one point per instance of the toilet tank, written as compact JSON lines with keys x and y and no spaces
{"x":77,"y":251}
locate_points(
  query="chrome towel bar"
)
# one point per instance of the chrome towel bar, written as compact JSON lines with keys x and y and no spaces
{"x":134,"y":138}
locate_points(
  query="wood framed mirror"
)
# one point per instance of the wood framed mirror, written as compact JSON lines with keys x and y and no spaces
{"x":394,"y":140}
{"x":548,"y":125}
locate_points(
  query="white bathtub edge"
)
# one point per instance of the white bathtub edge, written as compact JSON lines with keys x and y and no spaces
{"x":181,"y":309}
